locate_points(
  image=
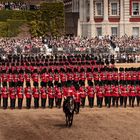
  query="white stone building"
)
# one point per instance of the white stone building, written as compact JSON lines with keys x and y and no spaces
{"x":109,"y":17}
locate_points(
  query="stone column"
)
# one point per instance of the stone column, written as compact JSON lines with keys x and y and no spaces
{"x":105,"y":19}
{"x":92,"y":23}
{"x":91,"y":11}
{"x":106,"y":10}
{"x":122,"y":18}
{"x":81,"y":4}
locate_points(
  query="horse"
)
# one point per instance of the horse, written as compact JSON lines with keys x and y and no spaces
{"x":68,"y":108}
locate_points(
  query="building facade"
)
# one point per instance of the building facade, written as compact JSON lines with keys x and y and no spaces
{"x":109,"y":17}
{"x":71,"y":16}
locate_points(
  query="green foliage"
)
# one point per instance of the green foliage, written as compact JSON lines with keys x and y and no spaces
{"x":49,"y":20}
{"x":10,"y":28}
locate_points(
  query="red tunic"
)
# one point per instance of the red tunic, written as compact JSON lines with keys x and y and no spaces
{"x":100,"y":92}
{"x":77,"y":97}
{"x":35,"y":93}
{"x":28,"y":92}
{"x":43,"y":93}
{"x":82,"y":92}
{"x":51,"y":93}
{"x":90,"y":92}
{"x":20,"y":93}
{"x":4,"y":92}
{"x":12,"y":93}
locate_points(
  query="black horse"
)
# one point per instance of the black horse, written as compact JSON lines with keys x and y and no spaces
{"x":68,"y":108}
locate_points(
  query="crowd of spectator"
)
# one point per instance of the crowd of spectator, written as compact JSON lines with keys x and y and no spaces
{"x":17,"y":6}
{"x":126,"y":49}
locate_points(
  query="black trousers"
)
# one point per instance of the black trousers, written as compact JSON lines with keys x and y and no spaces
{"x":100,"y":102}
{"x":10,"y":84}
{"x":51,"y":102}
{"x":20,"y":83}
{"x":43,"y":102}
{"x":36,"y":102}
{"x":113,"y":100}
{"x":77,"y":107}
{"x":116,"y":101}
{"x":83,"y":102}
{"x":91,"y":101}
{"x":82,"y":83}
{"x":28,"y":84}
{"x":108,"y":101}
{"x":35,"y":84}
{"x":5,"y":103}
{"x":56,"y":83}
{"x":20,"y":100}
{"x":12,"y":103}
{"x":130,"y":100}
{"x":138,"y":100}
{"x":105,"y":100}
{"x":133,"y":101}
{"x":4,"y":84}
{"x":28,"y":103}
{"x":121,"y":100}
{"x":125,"y":101}
{"x":59,"y":100}
{"x":43,"y":84}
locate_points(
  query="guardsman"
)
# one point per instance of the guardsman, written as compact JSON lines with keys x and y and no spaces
{"x":133,"y":94}
{"x":12,"y":92}
{"x":103,"y":77}
{"x":89,"y":77}
{"x":43,"y":80}
{"x":100,"y":95}
{"x":82,"y":79}
{"x":15,"y":80}
{"x":121,"y":76}
{"x":128,"y":77}
{"x":138,"y":95}
{"x":115,"y":76}
{"x":116,"y":93}
{"x":36,"y":97}
{"x":83,"y":96}
{"x":20,"y":80}
{"x":35,"y":78}
{"x":20,"y":94}
{"x":77,"y":97}
{"x":56,"y":79}
{"x":75,"y":78}
{"x":59,"y":95}
{"x":51,"y":96}
{"x":90,"y":93}
{"x":4,"y":92}
{"x":109,"y":76}
{"x":134,"y":78}
{"x":50,"y":82}
{"x":4,"y":79}
{"x":28,"y":94}
{"x":108,"y":95}
{"x":63,"y":79}
{"x":124,"y":94}
{"x":10,"y":79}
{"x":28,"y":79}
{"x":43,"y":97}
{"x":96,"y":76}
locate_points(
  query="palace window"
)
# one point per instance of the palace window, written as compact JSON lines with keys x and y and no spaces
{"x":136,"y":31}
{"x":114,"y":9}
{"x":114,"y":31}
{"x":99,"y":31}
{"x":99,"y":9}
{"x":136,"y":8}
